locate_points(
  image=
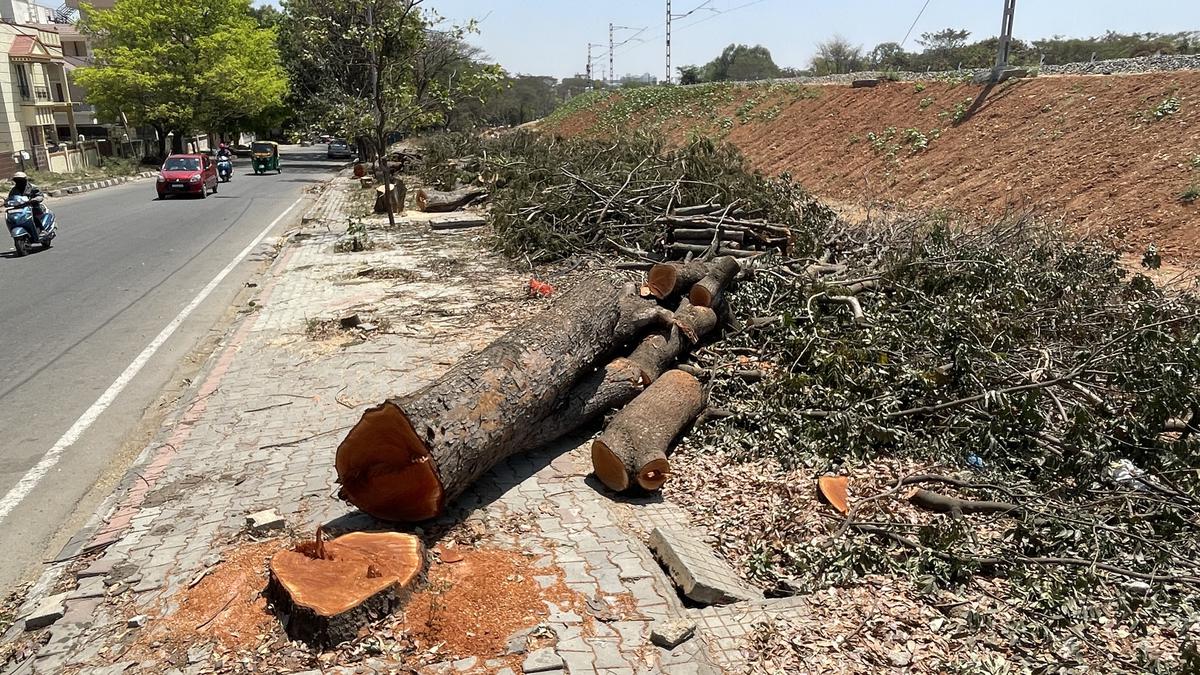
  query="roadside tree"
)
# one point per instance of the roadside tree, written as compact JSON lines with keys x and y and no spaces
{"x":182,"y":66}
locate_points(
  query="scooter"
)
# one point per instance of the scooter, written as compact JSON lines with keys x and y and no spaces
{"x":225,"y":168}
{"x":19,"y":218}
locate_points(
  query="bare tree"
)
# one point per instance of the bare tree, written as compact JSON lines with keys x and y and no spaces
{"x":836,"y":56}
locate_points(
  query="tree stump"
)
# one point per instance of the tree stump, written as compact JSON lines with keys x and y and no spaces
{"x":324,"y":592}
{"x":397,"y":192}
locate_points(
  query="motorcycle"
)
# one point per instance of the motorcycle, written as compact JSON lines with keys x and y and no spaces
{"x":225,"y":168}
{"x":19,"y":218}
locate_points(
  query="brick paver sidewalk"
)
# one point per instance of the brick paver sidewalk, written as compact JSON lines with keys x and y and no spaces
{"x":259,"y":432}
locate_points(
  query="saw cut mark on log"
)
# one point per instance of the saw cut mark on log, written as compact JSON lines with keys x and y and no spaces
{"x":720,"y":274}
{"x":325,"y":592}
{"x":408,"y":457}
{"x":633,"y":448}
{"x":668,"y":279}
{"x":434,"y":201}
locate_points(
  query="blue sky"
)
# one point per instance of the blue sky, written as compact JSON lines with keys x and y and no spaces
{"x":549,"y":37}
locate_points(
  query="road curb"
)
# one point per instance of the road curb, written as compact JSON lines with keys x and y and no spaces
{"x":99,"y":185}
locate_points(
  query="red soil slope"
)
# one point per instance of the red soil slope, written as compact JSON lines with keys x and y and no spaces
{"x":1087,"y":149}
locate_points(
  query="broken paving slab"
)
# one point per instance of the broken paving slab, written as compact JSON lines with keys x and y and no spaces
{"x":696,"y":570}
{"x":671,"y":634}
{"x":542,"y":661}
{"x":49,"y":610}
{"x":264,"y":521}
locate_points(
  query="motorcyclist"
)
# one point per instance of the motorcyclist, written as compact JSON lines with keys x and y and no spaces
{"x":22,"y":187}
{"x":224,"y":151}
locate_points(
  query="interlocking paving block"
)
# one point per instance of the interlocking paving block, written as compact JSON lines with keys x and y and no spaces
{"x":48,"y":611}
{"x":541,"y":661}
{"x":700,"y":575}
{"x":264,"y":521}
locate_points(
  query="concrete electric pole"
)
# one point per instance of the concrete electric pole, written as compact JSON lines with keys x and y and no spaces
{"x":669,"y":16}
{"x":1006,"y":34}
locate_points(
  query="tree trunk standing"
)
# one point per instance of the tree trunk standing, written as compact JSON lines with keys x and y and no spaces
{"x":374,"y":55}
{"x":409,"y":456}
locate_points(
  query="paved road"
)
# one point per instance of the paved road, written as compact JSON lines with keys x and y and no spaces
{"x":73,"y":319}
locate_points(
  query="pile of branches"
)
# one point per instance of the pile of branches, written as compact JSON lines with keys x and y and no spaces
{"x":552,"y":198}
{"x":1054,"y":390}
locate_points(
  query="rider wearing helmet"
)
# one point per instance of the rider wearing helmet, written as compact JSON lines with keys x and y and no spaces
{"x":225,"y":152}
{"x":22,"y":187}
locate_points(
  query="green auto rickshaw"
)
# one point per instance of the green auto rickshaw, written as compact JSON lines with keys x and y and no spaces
{"x":265,"y":156}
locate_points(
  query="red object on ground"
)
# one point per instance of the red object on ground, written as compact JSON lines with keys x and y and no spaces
{"x":540,"y":289}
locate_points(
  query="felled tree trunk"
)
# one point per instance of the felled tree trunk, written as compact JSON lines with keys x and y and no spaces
{"x":720,"y":274}
{"x":324,"y":592}
{"x":625,"y":378}
{"x":633,"y":448}
{"x":406,"y":458}
{"x":434,"y":201}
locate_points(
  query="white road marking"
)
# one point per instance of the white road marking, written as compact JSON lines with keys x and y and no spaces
{"x":35,"y":475}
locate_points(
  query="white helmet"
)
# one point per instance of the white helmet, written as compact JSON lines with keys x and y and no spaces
{"x":20,"y":175}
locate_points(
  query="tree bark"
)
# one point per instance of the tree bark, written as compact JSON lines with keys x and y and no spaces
{"x":406,"y":458}
{"x":435,"y":201}
{"x":721,"y":273}
{"x":324,"y":592}
{"x":633,"y":448}
{"x":397,"y":195}
{"x":668,"y":279}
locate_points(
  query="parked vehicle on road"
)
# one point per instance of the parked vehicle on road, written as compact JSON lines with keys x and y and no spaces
{"x":225,"y":168}
{"x":266,"y":156}
{"x":19,"y":218}
{"x":339,"y":149}
{"x":187,"y":175}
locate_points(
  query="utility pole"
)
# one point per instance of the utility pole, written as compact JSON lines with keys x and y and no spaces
{"x":1006,"y":34}
{"x":612,"y":71}
{"x":612,"y":48}
{"x":668,"y":80}
{"x":589,"y":63}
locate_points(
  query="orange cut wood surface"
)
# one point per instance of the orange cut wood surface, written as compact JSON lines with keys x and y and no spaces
{"x":833,"y":489}
{"x":354,"y":568}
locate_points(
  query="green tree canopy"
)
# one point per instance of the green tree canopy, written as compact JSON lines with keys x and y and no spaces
{"x":736,"y":63}
{"x":183,"y":65}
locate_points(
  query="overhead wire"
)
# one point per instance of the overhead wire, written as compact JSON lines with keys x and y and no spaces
{"x":716,"y":12}
{"x":914,"y":23}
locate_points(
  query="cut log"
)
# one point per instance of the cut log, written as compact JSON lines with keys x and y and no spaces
{"x":624,"y":379}
{"x":434,"y":201}
{"x":721,"y":273}
{"x":668,"y":279}
{"x":457,"y":223}
{"x":700,"y":250}
{"x":708,"y":234}
{"x":702,"y":209}
{"x":398,"y":194}
{"x":406,"y":458}
{"x":633,"y":448}
{"x":325,"y":592}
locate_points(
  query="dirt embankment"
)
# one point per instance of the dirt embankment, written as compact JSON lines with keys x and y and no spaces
{"x":1109,"y":155}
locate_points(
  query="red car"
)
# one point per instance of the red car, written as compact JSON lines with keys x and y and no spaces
{"x":187,"y":175}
